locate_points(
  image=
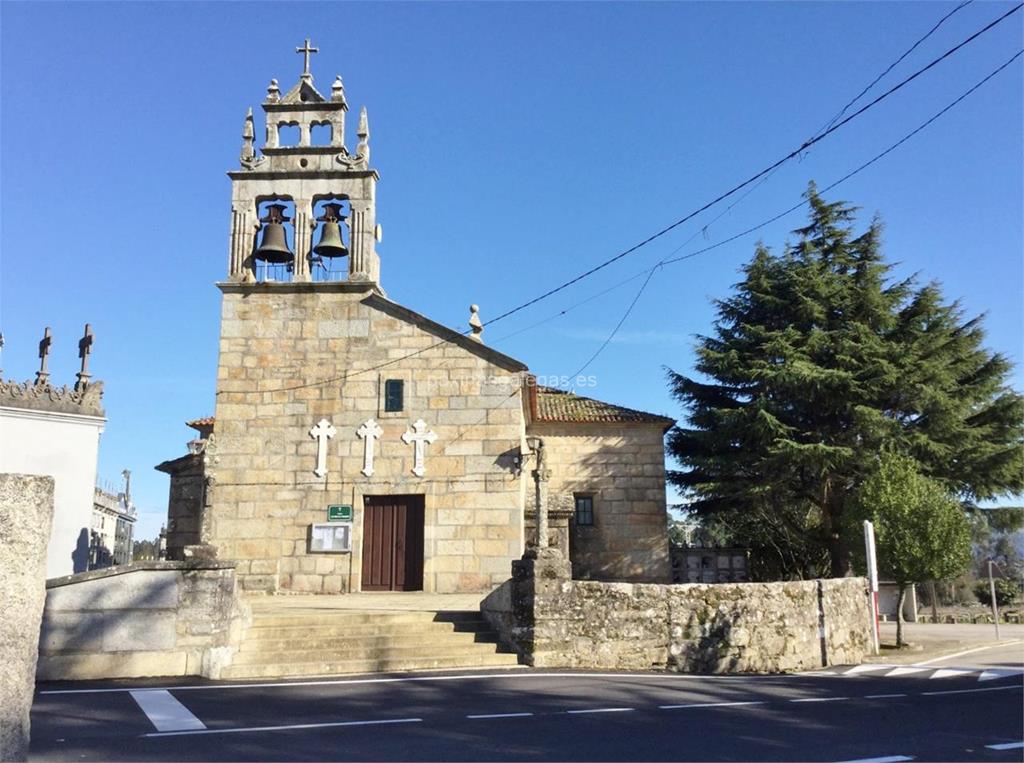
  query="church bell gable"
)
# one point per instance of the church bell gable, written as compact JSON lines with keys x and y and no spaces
{"x":303,"y":207}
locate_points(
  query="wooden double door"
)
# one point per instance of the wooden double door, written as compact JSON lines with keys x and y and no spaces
{"x":393,"y":543}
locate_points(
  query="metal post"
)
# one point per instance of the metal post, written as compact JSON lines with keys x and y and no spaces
{"x":869,"y":547}
{"x":992,"y":592}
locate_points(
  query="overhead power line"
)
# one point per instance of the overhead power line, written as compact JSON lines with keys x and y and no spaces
{"x":351,"y":374}
{"x":753,"y":178}
{"x":671,"y":260}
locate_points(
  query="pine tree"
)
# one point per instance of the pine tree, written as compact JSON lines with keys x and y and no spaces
{"x":818,"y":361}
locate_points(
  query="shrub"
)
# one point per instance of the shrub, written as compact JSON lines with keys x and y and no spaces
{"x":1006,"y":592}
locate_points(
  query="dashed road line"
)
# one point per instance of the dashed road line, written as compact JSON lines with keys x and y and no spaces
{"x":970,"y":691}
{"x":883,"y":696}
{"x":1005,"y":746}
{"x":165,"y":712}
{"x":602,"y":710}
{"x":290,"y":727}
{"x":711,"y":704}
{"x":887,"y":759}
{"x":488,"y":716}
{"x":819,"y":699}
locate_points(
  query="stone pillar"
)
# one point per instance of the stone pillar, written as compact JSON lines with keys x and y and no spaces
{"x":303,"y":227}
{"x":26,"y":516}
{"x":542,"y":477}
{"x":541,"y":590}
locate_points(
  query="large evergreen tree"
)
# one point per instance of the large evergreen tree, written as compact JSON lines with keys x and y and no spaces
{"x":818,"y":361}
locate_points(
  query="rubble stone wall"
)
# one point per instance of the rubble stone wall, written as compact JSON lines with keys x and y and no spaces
{"x":720,"y":628}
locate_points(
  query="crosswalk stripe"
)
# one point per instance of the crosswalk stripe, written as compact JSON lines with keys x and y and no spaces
{"x":951,"y":672}
{"x":905,"y":671}
{"x":165,"y":712}
{"x":993,"y":673}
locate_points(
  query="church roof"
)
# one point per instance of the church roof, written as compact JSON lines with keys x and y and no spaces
{"x":557,"y":405}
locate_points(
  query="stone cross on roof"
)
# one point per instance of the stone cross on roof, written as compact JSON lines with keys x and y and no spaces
{"x":305,"y":50}
{"x":42,"y":375}
{"x":84,"y":350}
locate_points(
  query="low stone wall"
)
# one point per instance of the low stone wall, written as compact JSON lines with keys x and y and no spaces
{"x":143,"y":619}
{"x":553,"y":621}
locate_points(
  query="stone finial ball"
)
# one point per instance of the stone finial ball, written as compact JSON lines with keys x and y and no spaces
{"x":474,"y":308}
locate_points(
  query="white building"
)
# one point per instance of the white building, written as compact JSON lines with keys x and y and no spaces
{"x":55,"y":431}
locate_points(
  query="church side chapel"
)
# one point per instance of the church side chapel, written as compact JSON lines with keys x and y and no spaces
{"x":357,"y":445}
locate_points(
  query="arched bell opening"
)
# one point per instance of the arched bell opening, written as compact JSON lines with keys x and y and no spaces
{"x":274,"y":256}
{"x":332,"y":239}
{"x":289,"y":134}
{"x":320,"y":133}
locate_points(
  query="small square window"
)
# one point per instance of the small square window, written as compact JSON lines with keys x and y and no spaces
{"x":584,"y":510}
{"x":394,"y":395}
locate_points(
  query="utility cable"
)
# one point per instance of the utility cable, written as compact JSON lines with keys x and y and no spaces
{"x":668,"y":260}
{"x":757,"y":176}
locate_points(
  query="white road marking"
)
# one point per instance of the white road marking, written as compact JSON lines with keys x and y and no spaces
{"x":882,"y":696}
{"x":969,"y":691}
{"x":500,"y":715}
{"x":905,"y":671}
{"x":864,"y":669}
{"x":969,"y":651}
{"x":165,"y":712}
{"x":244,"y":730}
{"x":950,"y":672}
{"x":988,"y":675}
{"x":710,"y":704}
{"x":602,"y":710}
{"x":1005,"y":746}
{"x":889,"y":759}
{"x":819,"y":699}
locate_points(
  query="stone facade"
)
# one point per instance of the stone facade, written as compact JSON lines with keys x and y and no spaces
{"x":622,"y":467}
{"x":26,"y":514}
{"x":553,"y":621}
{"x":144,"y":619}
{"x":302,"y":424}
{"x":264,"y":495}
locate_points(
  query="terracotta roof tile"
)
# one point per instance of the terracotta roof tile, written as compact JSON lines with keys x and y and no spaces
{"x":559,"y":405}
{"x":200,"y":424}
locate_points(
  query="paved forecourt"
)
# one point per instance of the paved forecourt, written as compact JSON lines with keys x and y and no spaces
{"x":542,"y":715}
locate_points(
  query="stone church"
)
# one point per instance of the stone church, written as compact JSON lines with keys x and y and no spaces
{"x":360,"y":446}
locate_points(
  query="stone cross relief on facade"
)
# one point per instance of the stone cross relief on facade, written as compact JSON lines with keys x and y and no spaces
{"x":322,"y":432}
{"x":370,"y":432}
{"x":419,"y":437}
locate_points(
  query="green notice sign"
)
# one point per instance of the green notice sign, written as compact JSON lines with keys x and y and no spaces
{"x":339,"y":513}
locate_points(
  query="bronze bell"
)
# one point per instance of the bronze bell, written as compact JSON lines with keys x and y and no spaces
{"x":331,"y":244}
{"x":274,"y":246}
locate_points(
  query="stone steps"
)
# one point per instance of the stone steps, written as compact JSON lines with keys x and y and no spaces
{"x":260,"y":631}
{"x":394,"y":665}
{"x":356,"y":652}
{"x":311,"y":643}
{"x":371,"y":639}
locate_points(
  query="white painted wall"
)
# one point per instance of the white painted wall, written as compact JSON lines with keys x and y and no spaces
{"x":64,"y":446}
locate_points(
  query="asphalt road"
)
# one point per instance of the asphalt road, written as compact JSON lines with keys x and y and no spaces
{"x":940,"y":712}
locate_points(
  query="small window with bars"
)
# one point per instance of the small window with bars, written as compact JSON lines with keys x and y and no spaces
{"x":394,"y":395}
{"x":584,"y":510}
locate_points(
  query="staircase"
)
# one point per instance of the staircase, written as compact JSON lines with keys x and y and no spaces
{"x":283,"y":644}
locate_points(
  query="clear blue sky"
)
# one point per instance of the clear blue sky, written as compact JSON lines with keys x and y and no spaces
{"x":518,"y":144}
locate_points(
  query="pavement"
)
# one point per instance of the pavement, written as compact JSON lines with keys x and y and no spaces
{"x":934,"y":640}
{"x":968,"y":708}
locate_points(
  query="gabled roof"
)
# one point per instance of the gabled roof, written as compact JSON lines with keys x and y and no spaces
{"x":200,"y":424}
{"x":443,"y":332}
{"x":549,"y":404}
{"x":304,"y":87}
